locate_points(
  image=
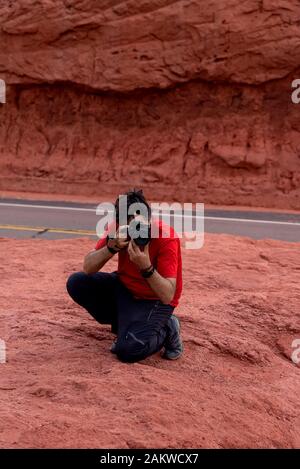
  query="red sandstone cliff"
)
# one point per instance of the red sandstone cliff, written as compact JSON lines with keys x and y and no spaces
{"x":191,"y":99}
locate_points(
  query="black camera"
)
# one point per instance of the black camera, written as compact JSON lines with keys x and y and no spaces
{"x":138,"y":231}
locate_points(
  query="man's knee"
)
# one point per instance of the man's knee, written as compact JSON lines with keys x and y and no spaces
{"x":75,"y":283}
{"x":131,"y":350}
{"x":128,"y":356}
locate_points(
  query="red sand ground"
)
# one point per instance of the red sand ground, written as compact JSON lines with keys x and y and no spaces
{"x":236,"y":385}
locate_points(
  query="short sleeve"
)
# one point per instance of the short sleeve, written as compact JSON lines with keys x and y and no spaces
{"x":101,"y":243}
{"x":167,"y":260}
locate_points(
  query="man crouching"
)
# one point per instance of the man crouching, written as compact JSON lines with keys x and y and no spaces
{"x":138,"y":300}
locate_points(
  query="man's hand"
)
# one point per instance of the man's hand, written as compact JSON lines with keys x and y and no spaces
{"x":96,"y":259}
{"x":164,"y":288}
{"x":120,"y":241}
{"x":140,"y":258}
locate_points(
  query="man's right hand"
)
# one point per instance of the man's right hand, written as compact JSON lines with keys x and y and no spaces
{"x":96,"y":259}
{"x":120,"y":241}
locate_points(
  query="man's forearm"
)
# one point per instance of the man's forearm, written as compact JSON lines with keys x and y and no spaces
{"x":95,"y":260}
{"x":164,"y":288}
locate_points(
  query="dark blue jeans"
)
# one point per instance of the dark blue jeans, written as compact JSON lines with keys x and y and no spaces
{"x":140,"y":325}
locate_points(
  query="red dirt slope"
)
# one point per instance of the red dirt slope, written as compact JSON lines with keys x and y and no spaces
{"x":236,"y":385}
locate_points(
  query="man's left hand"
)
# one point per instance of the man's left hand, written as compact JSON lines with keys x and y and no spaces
{"x":140,"y":258}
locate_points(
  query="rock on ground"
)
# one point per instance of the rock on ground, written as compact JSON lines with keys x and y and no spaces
{"x":236,"y":385}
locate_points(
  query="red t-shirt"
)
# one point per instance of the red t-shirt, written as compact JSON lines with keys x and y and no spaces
{"x":165,"y":255}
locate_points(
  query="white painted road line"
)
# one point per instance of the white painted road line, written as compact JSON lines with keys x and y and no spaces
{"x":51,"y":207}
{"x":93,"y":210}
{"x":271,"y":222}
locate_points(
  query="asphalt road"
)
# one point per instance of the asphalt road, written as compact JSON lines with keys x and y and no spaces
{"x":57,"y":220}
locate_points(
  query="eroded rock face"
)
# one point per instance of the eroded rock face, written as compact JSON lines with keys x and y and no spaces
{"x":191,"y":99}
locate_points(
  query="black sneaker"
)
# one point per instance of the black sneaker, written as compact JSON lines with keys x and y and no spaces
{"x":173,"y":343}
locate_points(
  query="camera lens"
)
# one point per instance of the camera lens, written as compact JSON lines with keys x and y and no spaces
{"x":140,"y":232}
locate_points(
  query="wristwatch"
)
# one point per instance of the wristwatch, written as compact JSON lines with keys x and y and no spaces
{"x":147,"y":273}
{"x":111,"y":250}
